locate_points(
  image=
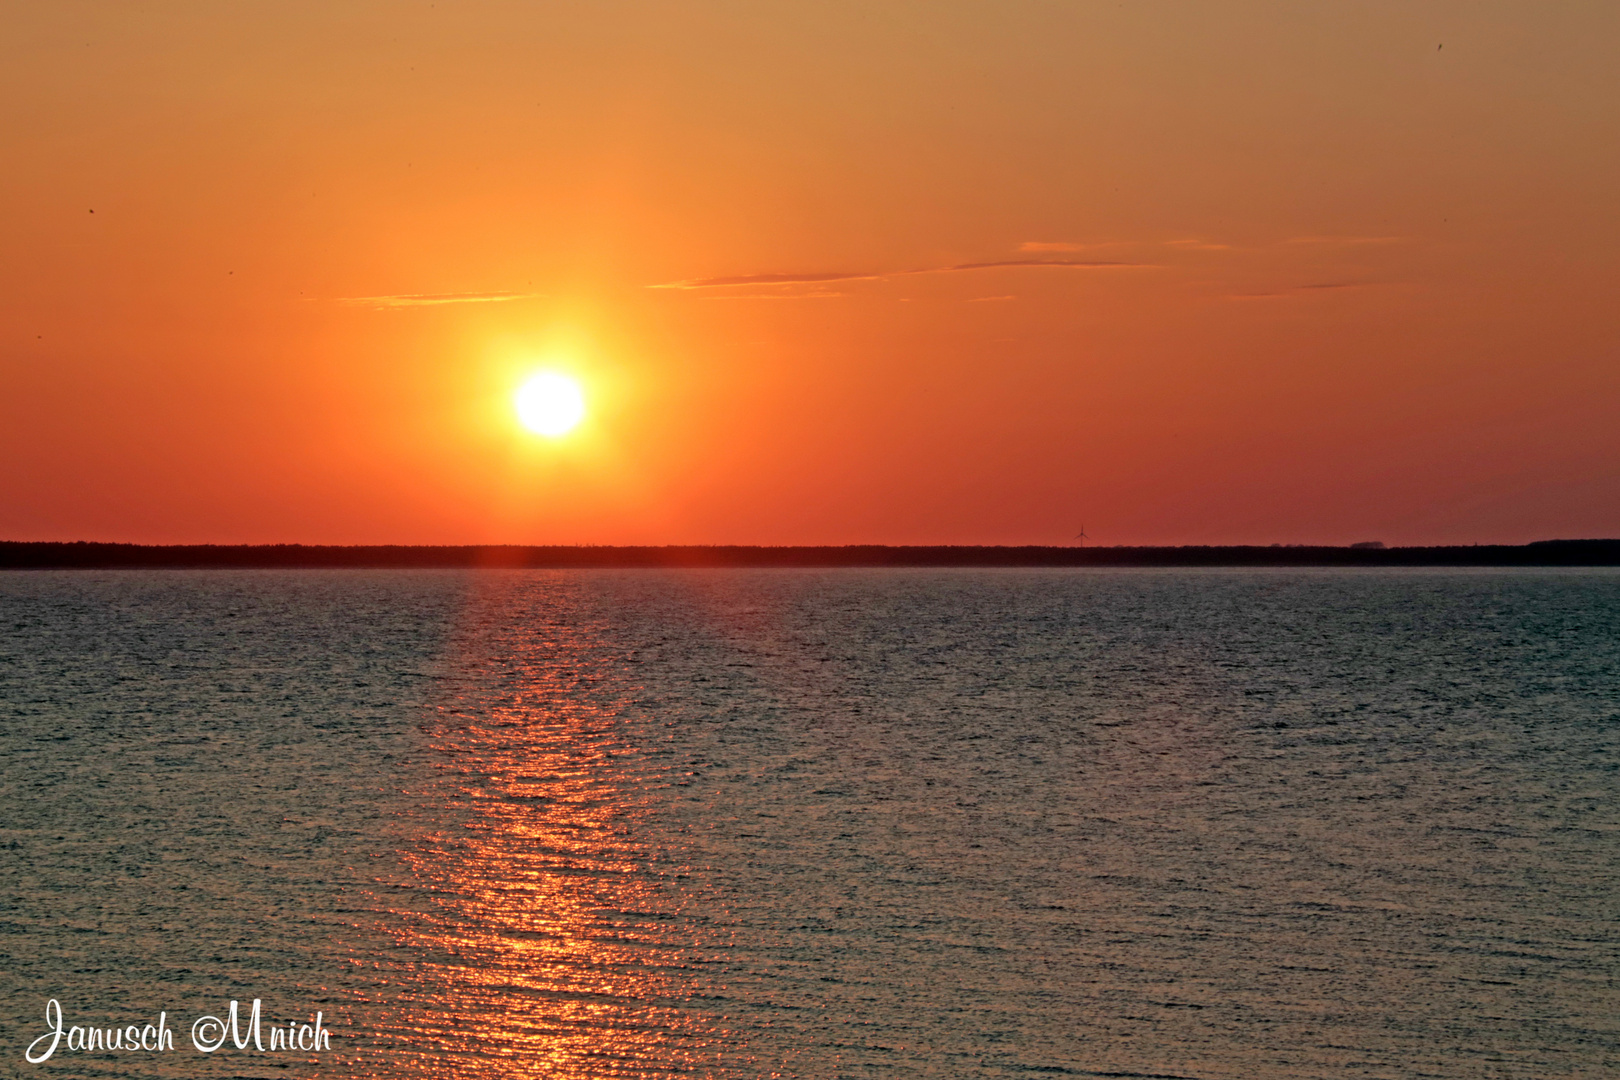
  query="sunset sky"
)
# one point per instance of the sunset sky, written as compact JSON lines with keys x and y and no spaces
{"x":826,"y":272}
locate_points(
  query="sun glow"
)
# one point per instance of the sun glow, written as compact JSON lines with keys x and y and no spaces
{"x":550,"y":404}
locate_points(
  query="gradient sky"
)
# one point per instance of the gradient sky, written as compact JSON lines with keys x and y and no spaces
{"x":829,"y":272}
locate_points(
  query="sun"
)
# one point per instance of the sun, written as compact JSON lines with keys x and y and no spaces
{"x":550,"y":404}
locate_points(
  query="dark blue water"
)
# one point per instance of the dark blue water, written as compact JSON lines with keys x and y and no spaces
{"x":1244,"y":824}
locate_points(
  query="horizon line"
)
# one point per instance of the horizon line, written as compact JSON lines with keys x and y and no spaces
{"x":89,"y":554}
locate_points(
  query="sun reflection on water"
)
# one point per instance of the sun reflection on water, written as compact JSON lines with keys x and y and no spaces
{"x":550,"y":901}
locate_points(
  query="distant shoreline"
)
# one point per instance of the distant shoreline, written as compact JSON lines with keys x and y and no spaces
{"x":16,"y":555}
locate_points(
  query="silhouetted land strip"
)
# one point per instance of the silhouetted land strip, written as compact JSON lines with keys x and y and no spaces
{"x":81,"y":555}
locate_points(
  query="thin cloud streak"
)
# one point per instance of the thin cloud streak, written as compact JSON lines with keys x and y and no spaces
{"x":432,"y":299}
{"x":1346,"y":241}
{"x":1324,"y":286}
{"x":1063,"y":245}
{"x":1197,"y":245}
{"x":775,"y":296}
{"x":1061,"y":264}
{"x":733,"y":281}
{"x":764,"y":279}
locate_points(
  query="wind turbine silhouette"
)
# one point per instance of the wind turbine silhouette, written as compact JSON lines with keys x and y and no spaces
{"x":1081,"y":535}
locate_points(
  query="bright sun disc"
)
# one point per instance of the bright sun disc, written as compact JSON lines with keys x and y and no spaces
{"x":550,"y":404}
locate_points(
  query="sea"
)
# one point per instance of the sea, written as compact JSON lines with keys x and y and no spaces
{"x":457,"y":825}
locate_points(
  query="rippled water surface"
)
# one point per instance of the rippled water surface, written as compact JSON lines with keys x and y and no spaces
{"x":1247,"y":824}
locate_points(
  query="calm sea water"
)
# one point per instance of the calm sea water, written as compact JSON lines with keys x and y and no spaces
{"x":1247,"y":824}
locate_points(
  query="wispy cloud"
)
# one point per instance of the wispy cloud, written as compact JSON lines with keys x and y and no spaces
{"x":1062,"y":245}
{"x":740,"y":280}
{"x":400,"y":300}
{"x":764,"y":279}
{"x":1062,"y":264}
{"x":1295,"y":290}
{"x":1197,"y":245}
{"x":819,"y":294}
{"x":1347,"y":241}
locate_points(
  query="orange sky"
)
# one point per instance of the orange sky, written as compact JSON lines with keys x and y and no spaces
{"x":1319,"y":272}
